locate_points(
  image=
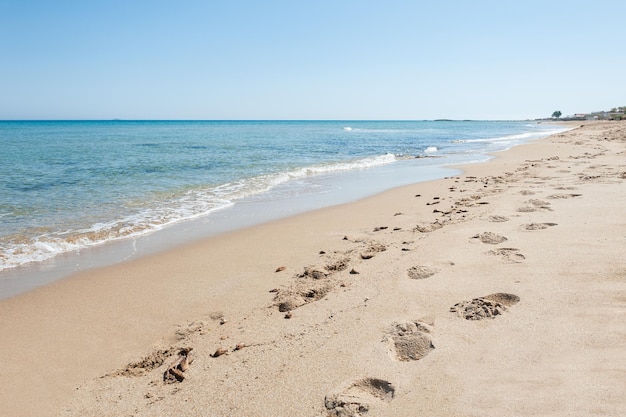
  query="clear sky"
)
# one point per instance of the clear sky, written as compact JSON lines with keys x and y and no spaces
{"x":391,"y":59}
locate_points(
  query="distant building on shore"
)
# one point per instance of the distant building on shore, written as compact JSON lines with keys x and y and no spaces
{"x":616,"y":113}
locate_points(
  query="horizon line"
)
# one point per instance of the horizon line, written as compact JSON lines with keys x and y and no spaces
{"x":275,"y":120}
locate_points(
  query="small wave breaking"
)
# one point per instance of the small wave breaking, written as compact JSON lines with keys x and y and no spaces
{"x":20,"y":250}
{"x":512,"y":139}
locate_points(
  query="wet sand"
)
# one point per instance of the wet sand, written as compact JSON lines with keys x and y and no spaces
{"x":501,"y":291}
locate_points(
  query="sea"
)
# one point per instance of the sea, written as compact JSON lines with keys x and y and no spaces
{"x":81,"y":194}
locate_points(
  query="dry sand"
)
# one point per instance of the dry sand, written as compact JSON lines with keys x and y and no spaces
{"x":500,"y":292}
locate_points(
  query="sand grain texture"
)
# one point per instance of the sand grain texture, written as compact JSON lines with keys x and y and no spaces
{"x":99,"y":343}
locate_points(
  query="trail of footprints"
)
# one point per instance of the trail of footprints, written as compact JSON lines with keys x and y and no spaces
{"x":412,"y":340}
{"x":316,"y":281}
{"x":406,"y":341}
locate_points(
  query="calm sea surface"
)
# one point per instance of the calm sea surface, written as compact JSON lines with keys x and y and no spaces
{"x":69,"y":185}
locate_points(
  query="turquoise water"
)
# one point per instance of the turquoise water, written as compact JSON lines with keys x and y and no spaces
{"x":69,"y":185}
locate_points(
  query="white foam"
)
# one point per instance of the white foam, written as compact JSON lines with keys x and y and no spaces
{"x":431,"y":149}
{"x":514,"y":138}
{"x":192,"y":204}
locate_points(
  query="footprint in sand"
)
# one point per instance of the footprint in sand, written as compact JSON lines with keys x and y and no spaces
{"x":498,"y":219}
{"x":538,"y":203}
{"x":292,"y":298}
{"x":410,"y":341}
{"x":149,"y":362}
{"x":185,"y":331}
{"x":563,"y":196}
{"x":485,"y":307}
{"x":536,"y":226}
{"x":372,"y":249}
{"x":312,"y":285}
{"x":427,"y":228}
{"x":490,"y":238}
{"x":508,"y":254}
{"x":585,"y":177}
{"x":421,"y":272}
{"x":316,"y":282}
{"x":338,"y":264}
{"x":534,"y":205}
{"x":359,"y":398}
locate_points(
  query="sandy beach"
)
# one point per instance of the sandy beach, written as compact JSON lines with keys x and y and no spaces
{"x":498,"y":292}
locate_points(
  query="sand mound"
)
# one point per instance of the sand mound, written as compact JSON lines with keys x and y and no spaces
{"x":489,"y":306}
{"x":359,"y":397}
{"x":421,"y":272}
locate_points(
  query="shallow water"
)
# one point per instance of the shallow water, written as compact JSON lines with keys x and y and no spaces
{"x":69,"y":186}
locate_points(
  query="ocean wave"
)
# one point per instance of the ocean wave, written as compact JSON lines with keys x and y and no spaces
{"x":19,"y":250}
{"x":513,"y":138}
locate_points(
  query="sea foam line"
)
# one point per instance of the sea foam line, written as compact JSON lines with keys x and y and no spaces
{"x":17,"y":251}
{"x":515,"y":137}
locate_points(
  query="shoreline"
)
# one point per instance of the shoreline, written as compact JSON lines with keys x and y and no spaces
{"x":74,"y":247}
{"x":77,"y":330}
{"x":249,"y":212}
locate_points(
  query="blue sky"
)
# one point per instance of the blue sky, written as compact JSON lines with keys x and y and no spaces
{"x":309,"y":60}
